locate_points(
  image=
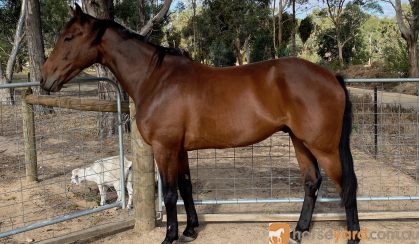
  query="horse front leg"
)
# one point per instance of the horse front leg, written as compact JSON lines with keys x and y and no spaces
{"x":312,"y":181}
{"x":167,"y":161}
{"x":185,"y":189}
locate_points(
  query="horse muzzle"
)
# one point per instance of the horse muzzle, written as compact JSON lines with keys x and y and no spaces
{"x":51,"y":84}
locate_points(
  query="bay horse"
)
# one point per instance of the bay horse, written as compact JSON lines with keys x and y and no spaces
{"x":184,"y":105}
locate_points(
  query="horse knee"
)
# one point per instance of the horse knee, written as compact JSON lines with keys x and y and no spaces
{"x":170,"y":198}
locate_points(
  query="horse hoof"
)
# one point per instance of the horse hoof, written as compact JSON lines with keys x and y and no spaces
{"x":295,"y":237}
{"x":184,"y":238}
{"x":292,"y":241}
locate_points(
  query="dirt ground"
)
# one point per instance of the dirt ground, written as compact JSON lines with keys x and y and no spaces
{"x":255,"y":233}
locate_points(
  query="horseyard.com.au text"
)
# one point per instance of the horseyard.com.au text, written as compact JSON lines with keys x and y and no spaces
{"x":279,"y":233}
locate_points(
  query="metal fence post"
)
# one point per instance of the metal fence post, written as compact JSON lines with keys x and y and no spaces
{"x":144,"y":182}
{"x":29,"y":139}
{"x":375,"y":123}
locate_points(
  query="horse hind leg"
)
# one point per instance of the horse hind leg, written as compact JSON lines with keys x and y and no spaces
{"x":312,"y":181}
{"x":185,"y":189}
{"x":343,"y":176}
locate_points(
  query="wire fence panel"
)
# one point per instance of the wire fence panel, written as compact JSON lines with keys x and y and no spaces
{"x":265,"y":177}
{"x":66,"y":139}
{"x":262,"y":178}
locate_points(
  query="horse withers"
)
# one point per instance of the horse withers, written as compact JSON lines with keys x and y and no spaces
{"x":184,"y":105}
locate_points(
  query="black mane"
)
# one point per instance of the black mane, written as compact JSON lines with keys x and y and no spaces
{"x":100,"y":27}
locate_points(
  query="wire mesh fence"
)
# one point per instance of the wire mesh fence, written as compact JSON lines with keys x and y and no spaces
{"x":66,"y":139}
{"x":265,"y":177}
{"x":262,"y":178}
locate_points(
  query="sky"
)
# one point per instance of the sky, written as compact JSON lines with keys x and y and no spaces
{"x":387,"y":8}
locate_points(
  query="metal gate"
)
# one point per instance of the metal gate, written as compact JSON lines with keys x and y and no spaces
{"x":65,"y":139}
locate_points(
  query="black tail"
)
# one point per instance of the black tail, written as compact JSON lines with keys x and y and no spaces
{"x":349,"y":182}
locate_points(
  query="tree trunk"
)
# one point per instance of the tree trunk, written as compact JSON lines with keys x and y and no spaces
{"x":16,"y":43}
{"x":237,"y":48}
{"x":246,"y":47}
{"x":274,"y":28}
{"x":4,"y":93}
{"x":280,"y":13}
{"x":340,"y":50}
{"x":103,"y":9}
{"x":410,"y":34}
{"x":293,"y":31}
{"x":159,"y":17}
{"x":35,"y":47}
{"x":194,"y":27}
{"x":413,"y":58}
{"x":141,"y":14}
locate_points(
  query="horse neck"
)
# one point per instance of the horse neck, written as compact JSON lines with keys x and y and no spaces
{"x":128,"y":59}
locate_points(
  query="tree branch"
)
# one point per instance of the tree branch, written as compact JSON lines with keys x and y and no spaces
{"x":399,"y":16}
{"x":156,"y":19}
{"x":1,"y":73}
{"x":16,"y":44}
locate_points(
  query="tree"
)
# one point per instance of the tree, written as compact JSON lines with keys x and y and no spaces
{"x":346,"y":19}
{"x":35,"y":44}
{"x":9,"y":15}
{"x":103,"y":9}
{"x":8,"y":75}
{"x":230,"y":27}
{"x":305,"y":29}
{"x":281,"y":7}
{"x":157,"y":19}
{"x":54,"y":14}
{"x":293,"y":30}
{"x":283,"y":40}
{"x":408,"y":23}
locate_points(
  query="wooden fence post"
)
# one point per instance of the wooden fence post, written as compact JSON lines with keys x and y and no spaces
{"x":144,"y":179}
{"x":29,"y":139}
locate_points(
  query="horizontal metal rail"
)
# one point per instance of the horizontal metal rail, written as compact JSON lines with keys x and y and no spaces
{"x":17,"y":85}
{"x":381,"y":80}
{"x":58,"y":219}
{"x":297,"y":200}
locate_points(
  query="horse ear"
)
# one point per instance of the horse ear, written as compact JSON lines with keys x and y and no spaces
{"x":77,"y":11}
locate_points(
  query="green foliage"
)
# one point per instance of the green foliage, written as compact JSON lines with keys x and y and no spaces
{"x":396,"y":58}
{"x":54,"y":14}
{"x":221,"y":54}
{"x":173,"y":37}
{"x":354,"y":52}
{"x":9,"y":15}
{"x":415,"y":11}
{"x":220,"y":22}
{"x":259,"y":48}
{"x":349,"y":33}
{"x":305,"y":29}
{"x":127,"y":12}
{"x":283,"y":49}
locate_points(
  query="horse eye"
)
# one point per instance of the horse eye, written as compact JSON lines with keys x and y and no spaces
{"x":68,"y":38}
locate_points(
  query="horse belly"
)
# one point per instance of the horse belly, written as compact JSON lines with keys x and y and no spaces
{"x":232,"y":131}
